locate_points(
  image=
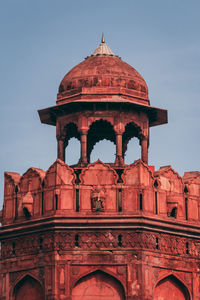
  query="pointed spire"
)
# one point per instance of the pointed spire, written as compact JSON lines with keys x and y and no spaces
{"x":102,"y":39}
{"x":103,"y":49}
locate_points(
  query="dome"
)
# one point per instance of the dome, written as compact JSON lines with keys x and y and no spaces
{"x":103,"y":73}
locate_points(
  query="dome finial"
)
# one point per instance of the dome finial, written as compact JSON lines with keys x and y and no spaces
{"x":103,"y":49}
{"x":102,"y":39}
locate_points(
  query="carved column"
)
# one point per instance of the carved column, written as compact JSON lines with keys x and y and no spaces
{"x":83,"y":158}
{"x":61,"y":148}
{"x":144,"y":150}
{"x":119,"y":159}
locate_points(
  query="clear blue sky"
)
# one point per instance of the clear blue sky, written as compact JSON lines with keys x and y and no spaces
{"x":42,"y":40}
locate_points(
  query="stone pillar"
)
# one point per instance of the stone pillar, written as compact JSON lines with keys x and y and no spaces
{"x":61,"y":149}
{"x":119,"y":159}
{"x":83,"y":158}
{"x":144,"y":150}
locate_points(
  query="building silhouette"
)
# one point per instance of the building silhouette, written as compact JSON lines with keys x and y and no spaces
{"x":96,"y":231}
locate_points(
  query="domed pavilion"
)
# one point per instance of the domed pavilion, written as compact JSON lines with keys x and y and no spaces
{"x":103,"y":98}
{"x":101,"y":231}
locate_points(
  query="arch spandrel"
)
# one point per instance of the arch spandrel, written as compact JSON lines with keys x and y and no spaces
{"x":91,"y":120}
{"x":71,"y":130}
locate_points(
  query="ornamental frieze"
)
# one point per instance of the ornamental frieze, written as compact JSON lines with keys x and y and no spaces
{"x":99,"y":240}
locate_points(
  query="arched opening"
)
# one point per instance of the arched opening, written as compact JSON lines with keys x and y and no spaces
{"x":72,"y":151}
{"x":97,"y":286}
{"x":131,"y":149}
{"x":103,"y":150}
{"x":98,"y":131}
{"x":171,"y":285}
{"x":28,"y":288}
{"x":72,"y":144}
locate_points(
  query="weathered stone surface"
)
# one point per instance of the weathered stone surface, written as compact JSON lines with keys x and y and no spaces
{"x":101,"y":231}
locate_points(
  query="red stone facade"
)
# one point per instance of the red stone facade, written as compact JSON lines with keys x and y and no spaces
{"x":98,"y":231}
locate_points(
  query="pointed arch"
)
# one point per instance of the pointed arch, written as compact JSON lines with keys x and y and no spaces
{"x":98,"y":284}
{"x":178,"y":290}
{"x":28,"y":287}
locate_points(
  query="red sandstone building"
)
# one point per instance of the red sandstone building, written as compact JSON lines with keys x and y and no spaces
{"x":98,"y":231}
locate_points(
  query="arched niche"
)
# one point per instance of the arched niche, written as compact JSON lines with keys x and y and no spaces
{"x":98,"y":131}
{"x":28,"y":288}
{"x":171,"y":287}
{"x":96,"y":286}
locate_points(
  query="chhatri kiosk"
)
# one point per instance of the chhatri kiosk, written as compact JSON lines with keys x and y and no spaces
{"x":95,"y":231}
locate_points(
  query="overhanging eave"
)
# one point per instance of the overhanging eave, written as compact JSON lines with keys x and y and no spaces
{"x":49,"y":115}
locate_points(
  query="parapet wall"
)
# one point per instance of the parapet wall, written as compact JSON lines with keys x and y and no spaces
{"x":99,"y":189}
